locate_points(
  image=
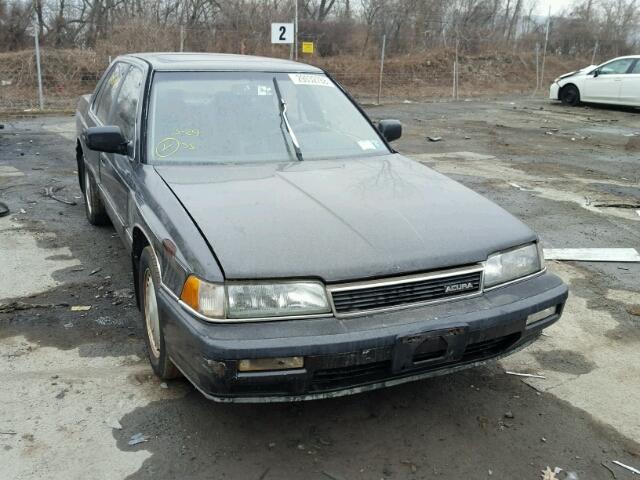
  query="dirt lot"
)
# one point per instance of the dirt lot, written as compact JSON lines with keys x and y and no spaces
{"x":76,"y":384}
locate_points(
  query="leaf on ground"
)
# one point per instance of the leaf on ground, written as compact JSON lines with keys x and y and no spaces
{"x":548,"y":474}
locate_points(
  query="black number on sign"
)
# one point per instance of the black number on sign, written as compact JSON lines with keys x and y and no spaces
{"x":283,"y":30}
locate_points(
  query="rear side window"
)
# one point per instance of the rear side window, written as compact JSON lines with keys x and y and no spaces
{"x":109,"y":90}
{"x":126,"y":106}
{"x":636,"y":69}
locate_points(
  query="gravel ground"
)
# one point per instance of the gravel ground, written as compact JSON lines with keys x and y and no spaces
{"x":77,"y":386}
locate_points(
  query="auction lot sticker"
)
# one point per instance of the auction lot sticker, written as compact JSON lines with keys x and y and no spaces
{"x":309,"y":79}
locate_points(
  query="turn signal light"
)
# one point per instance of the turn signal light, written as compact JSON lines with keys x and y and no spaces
{"x":190,"y":291}
{"x":203,"y":297}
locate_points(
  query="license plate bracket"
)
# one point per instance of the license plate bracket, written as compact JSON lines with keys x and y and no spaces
{"x":420,"y":349}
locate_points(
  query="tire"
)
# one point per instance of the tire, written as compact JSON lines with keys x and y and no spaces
{"x":93,"y":206}
{"x":4,"y":209}
{"x":570,"y":95}
{"x":148,"y":285}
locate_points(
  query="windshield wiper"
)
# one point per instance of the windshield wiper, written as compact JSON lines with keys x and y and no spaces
{"x":283,"y":115}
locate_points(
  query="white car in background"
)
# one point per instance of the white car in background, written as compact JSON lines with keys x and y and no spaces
{"x":615,"y":82}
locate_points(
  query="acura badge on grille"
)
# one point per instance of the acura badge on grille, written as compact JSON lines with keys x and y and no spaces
{"x":458,"y":287}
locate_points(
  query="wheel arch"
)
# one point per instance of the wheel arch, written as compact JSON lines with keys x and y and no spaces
{"x":568,"y":84}
{"x":570,"y":99}
{"x":80,"y":162}
{"x":139,"y":241}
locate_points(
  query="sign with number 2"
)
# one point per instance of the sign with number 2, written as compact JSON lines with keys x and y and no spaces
{"x":282,"y":33}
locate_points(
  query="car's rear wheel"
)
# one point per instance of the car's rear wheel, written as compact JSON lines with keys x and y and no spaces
{"x":93,"y":206}
{"x":570,"y":95}
{"x":148,"y":285}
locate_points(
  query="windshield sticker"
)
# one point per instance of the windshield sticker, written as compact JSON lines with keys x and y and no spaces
{"x":307,"y":79}
{"x":189,"y":132}
{"x":367,"y":145}
{"x":170,"y":145}
{"x":264,"y":91}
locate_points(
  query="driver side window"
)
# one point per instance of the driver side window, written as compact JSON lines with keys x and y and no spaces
{"x":126,"y":107}
{"x":102,"y":106}
{"x":616,"y":67}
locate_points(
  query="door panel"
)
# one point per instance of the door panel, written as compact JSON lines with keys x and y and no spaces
{"x":116,"y":172}
{"x":630,"y":87}
{"x":603,"y":88}
{"x":606,"y":86}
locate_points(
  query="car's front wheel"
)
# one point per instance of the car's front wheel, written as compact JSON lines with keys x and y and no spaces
{"x":148,"y":285}
{"x":570,"y":95}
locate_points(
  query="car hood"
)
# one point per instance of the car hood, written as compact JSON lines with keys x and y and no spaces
{"x":340,"y":220}
{"x":576,"y":72}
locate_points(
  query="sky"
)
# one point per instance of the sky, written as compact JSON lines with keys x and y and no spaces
{"x":556,"y":6}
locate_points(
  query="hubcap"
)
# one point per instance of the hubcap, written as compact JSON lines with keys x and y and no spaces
{"x":570,"y":96}
{"x":151,"y":317}
{"x":87,"y":190}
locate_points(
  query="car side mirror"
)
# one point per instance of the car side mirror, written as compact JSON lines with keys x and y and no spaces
{"x":596,"y":72}
{"x":390,"y":129}
{"x":108,"y":139}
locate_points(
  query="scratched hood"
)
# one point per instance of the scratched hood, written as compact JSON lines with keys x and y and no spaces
{"x":340,"y":220}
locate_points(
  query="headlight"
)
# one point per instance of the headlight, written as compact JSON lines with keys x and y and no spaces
{"x":276,"y":299}
{"x":249,"y":300}
{"x":514,"y":264}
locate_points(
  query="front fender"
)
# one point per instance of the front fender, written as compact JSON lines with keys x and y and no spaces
{"x":159,"y":216}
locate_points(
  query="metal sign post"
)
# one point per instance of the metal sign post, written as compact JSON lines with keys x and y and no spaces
{"x":384,"y":44}
{"x":292,"y":47}
{"x":537,"y":66}
{"x":40,"y":96}
{"x":544,"y":52}
{"x":295,"y":31}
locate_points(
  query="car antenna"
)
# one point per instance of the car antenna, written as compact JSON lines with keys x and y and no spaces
{"x":285,"y":119}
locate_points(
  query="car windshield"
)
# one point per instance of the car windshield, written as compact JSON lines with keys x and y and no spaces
{"x":234,"y":117}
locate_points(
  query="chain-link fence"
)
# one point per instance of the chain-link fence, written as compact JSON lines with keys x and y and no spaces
{"x":69,"y":73}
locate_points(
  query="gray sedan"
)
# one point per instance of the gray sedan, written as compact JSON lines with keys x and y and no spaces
{"x":281,"y":249}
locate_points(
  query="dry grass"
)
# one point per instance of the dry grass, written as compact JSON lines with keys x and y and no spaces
{"x":69,"y":73}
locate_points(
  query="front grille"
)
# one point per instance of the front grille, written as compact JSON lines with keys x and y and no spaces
{"x":350,"y":299}
{"x":348,"y":376}
{"x":489,"y":348}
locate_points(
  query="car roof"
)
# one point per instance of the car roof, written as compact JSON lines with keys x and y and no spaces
{"x":622,"y":58}
{"x":173,"y":61}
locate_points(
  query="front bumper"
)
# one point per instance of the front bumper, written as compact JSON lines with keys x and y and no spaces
{"x":344,"y":356}
{"x":554,"y":91}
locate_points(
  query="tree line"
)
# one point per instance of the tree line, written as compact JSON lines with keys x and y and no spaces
{"x":355,"y":27}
